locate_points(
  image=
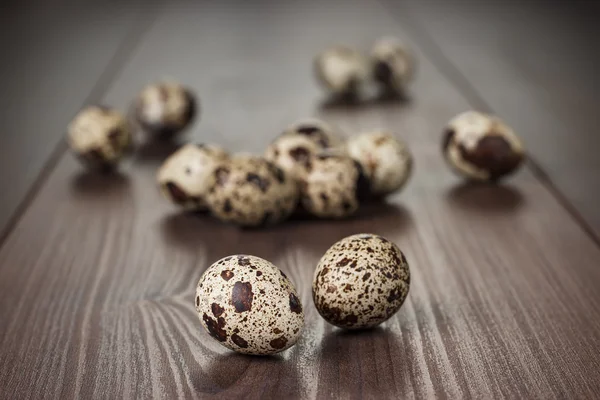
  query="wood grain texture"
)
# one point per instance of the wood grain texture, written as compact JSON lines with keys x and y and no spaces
{"x":97,"y":279}
{"x":56,"y":54}
{"x":533,"y":64}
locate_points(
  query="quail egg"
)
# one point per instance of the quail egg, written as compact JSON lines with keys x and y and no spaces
{"x":334,"y":186}
{"x":393,"y":64}
{"x":361,"y":281}
{"x":165,"y":108}
{"x":99,"y":136}
{"x":481,"y":147}
{"x":386,"y":161}
{"x":251,"y":191}
{"x":249,"y":305}
{"x":294,"y":149}
{"x":185,"y":175}
{"x":341,"y":70}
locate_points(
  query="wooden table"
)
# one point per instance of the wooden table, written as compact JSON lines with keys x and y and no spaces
{"x":97,"y":273}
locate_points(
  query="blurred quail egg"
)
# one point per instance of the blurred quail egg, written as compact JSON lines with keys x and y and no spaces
{"x":393,"y":64}
{"x":482,"y":147}
{"x":249,"y":305}
{"x":99,"y":136}
{"x":165,"y":108}
{"x":185,"y":175}
{"x":251,"y":191}
{"x":334,"y":186}
{"x":341,"y":70}
{"x":293,"y":150}
{"x":361,"y":281}
{"x":386,"y":161}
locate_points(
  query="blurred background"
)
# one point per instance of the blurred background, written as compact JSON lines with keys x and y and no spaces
{"x":519,"y":58}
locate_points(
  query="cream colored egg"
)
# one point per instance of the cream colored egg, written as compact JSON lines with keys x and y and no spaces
{"x":294,"y":149}
{"x":99,"y":136}
{"x":334,"y":187}
{"x":341,"y":70}
{"x":386,"y":161}
{"x":481,"y":147}
{"x":393,"y":63}
{"x":361,"y":281}
{"x":185,"y":176}
{"x":165,"y":108}
{"x":251,"y":191}
{"x":249,"y":305}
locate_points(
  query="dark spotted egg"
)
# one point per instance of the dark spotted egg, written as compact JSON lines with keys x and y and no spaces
{"x":361,"y":281}
{"x":185,"y":175}
{"x":481,"y":147}
{"x":249,"y":305}
{"x":341,"y":70}
{"x":294,"y":149}
{"x":393,"y":64}
{"x":165,"y":108}
{"x":385,"y":159}
{"x":99,"y":136}
{"x":334,"y":187}
{"x":250,"y":191}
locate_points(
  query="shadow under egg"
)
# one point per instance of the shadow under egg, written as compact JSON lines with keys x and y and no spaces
{"x":99,"y":183}
{"x":359,"y":362}
{"x":191,"y":230}
{"x":487,"y":197}
{"x":236,"y":375}
{"x":363,"y":101}
{"x":378,"y":217}
{"x":156,"y":150}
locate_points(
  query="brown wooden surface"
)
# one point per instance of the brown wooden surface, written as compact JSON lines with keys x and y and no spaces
{"x":533,"y":63}
{"x":97,"y":277}
{"x":57,"y":56}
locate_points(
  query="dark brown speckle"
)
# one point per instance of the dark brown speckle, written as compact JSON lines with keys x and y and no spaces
{"x":215,"y":328}
{"x":241,"y":296}
{"x":278,"y":343}
{"x":295,"y":304}
{"x":235,"y":338}
{"x":227,"y":274}
{"x":217,"y":310}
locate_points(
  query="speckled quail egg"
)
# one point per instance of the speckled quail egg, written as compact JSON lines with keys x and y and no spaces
{"x":361,"y":281}
{"x":386,"y":161}
{"x":165,"y":108}
{"x":185,"y":175}
{"x":341,"y":70}
{"x":293,"y":150}
{"x":393,"y":64}
{"x":99,"y":136}
{"x":334,"y":187}
{"x":481,"y":147}
{"x":249,"y":305}
{"x":251,"y":191}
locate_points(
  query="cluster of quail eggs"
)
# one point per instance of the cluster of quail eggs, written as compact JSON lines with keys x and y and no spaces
{"x":346,"y":72}
{"x":308,"y":168}
{"x":246,"y":303}
{"x":102,"y":136}
{"x":250,"y":306}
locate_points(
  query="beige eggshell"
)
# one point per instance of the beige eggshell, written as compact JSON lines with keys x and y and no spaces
{"x":251,"y":191}
{"x":249,"y":305}
{"x":99,"y":136}
{"x":185,"y":176}
{"x":341,"y":70}
{"x":334,"y":186}
{"x":294,"y":149}
{"x":386,"y":161}
{"x":481,"y":147}
{"x":361,"y":281}
{"x":165,"y":108}
{"x":393,"y":63}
